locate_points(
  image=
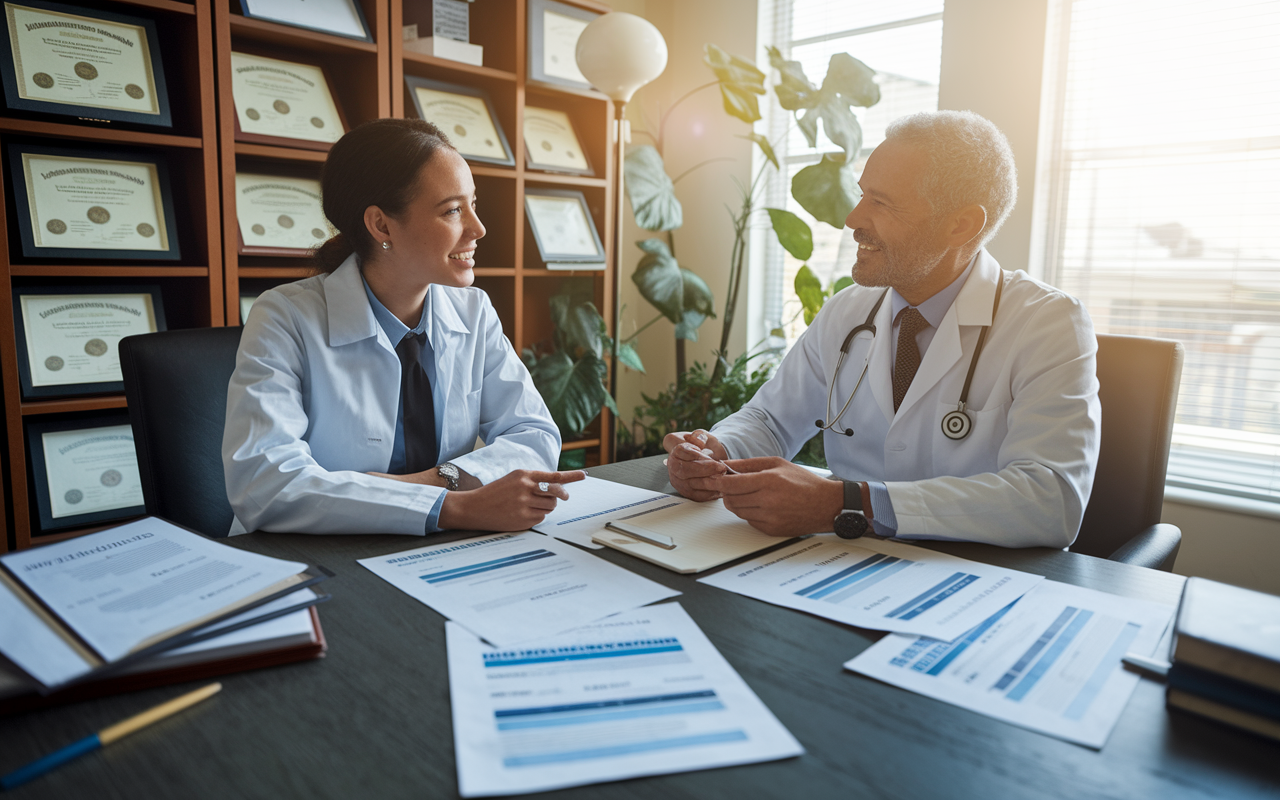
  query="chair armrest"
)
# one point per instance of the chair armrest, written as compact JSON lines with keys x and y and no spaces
{"x":1156,"y":548}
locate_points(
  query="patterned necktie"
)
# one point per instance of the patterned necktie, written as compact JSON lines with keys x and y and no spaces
{"x":419,"y":406}
{"x":908,"y":361}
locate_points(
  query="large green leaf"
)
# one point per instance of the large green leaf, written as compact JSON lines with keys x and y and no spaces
{"x":793,"y":233}
{"x":795,"y":92}
{"x":699,"y":304}
{"x":627,"y":355}
{"x":765,"y":147}
{"x":573,"y":392}
{"x":687,"y":328}
{"x":659,"y":279}
{"x":809,"y":290}
{"x":852,"y":80}
{"x":653,"y":197}
{"x":848,"y":82}
{"x":841,"y":284}
{"x":740,"y":82}
{"x":828,"y":190}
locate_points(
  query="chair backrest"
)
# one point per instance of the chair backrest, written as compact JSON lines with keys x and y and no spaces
{"x":176,"y":385}
{"x":1138,"y":381}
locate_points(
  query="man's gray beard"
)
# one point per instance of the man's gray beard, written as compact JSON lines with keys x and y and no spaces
{"x":897,"y":274}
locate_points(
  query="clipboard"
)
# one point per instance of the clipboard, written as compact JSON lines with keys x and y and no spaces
{"x":706,"y":535}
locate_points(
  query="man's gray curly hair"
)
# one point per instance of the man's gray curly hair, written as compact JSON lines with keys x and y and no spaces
{"x":970,"y":162}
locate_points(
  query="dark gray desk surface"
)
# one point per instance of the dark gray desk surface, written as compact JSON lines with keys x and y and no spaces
{"x":372,"y":719}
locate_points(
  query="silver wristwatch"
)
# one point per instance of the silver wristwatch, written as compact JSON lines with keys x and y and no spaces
{"x":450,"y":474}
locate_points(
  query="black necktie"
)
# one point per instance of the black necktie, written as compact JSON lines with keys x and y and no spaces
{"x":908,"y":361}
{"x":419,"y":406}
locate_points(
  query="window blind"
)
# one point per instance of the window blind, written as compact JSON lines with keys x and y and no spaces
{"x":1164,"y":210}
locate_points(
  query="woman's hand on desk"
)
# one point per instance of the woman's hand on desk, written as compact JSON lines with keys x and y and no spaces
{"x":696,"y":458}
{"x":511,"y":503}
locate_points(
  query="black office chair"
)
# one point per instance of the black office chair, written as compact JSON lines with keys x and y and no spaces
{"x":176,"y":386}
{"x":1138,"y":381}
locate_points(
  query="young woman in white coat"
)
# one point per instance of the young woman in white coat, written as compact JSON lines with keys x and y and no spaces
{"x":359,"y":394}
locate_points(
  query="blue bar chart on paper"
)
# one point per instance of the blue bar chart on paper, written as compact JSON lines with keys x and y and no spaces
{"x":641,"y":693}
{"x":1049,"y":662}
{"x":879,"y":585}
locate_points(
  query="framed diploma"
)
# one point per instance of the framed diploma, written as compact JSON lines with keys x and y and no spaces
{"x":563,"y":229}
{"x":66,"y":60}
{"x":84,"y":471}
{"x":68,"y":336}
{"x":279,"y":216}
{"x":551,"y":144}
{"x":339,"y":17}
{"x":553,"y":42}
{"x":284,"y":103}
{"x":93,"y":204}
{"x":465,"y":115}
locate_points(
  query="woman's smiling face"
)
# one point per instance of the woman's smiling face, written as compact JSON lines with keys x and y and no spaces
{"x":436,"y":235}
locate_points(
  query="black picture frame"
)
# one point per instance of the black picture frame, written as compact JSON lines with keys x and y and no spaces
{"x":9,"y":77}
{"x":413,"y":82}
{"x":23,"y":210}
{"x":537,"y":39}
{"x":531,"y":160}
{"x":246,"y":8}
{"x":35,"y":431}
{"x":32,"y":392}
{"x":549,"y":256}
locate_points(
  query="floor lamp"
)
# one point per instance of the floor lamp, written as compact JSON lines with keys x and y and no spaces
{"x":618,"y":53}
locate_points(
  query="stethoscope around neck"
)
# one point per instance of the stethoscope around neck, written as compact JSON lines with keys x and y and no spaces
{"x":955,"y":424}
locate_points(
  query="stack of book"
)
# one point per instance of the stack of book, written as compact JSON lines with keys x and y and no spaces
{"x":144,"y":604}
{"x":1226,"y":656}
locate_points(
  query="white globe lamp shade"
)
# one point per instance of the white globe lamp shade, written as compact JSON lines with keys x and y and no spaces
{"x":618,"y":53}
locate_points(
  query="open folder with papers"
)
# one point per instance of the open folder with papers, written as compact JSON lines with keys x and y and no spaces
{"x":84,"y":607}
{"x":702,"y":536}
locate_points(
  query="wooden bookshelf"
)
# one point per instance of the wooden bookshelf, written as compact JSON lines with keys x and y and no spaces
{"x":508,"y":266}
{"x":192,"y":288}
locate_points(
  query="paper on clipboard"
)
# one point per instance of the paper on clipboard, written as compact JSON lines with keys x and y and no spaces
{"x":706,"y":535}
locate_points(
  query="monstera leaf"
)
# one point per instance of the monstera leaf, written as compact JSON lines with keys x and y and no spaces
{"x":699,"y":304}
{"x":740,"y":83}
{"x":765,"y":147}
{"x":848,"y":83}
{"x":578,"y":325}
{"x":573,"y":391}
{"x":793,"y":233}
{"x":678,"y":293}
{"x":652,"y":195}
{"x":828,"y":190}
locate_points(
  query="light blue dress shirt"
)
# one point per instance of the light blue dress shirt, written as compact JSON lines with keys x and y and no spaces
{"x":396,"y":331}
{"x":933,"y":310}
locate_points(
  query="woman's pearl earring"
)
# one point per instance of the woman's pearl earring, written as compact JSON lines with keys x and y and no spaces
{"x":386,"y":245}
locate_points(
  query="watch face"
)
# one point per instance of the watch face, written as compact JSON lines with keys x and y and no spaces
{"x":851,"y":525}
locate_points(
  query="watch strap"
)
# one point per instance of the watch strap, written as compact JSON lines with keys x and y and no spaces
{"x":856,"y":496}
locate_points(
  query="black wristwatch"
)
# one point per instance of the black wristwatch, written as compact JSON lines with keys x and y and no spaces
{"x":450,"y":474}
{"x":851,"y":523}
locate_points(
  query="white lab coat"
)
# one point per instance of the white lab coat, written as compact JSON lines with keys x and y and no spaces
{"x":312,"y":405}
{"x":1021,"y":478}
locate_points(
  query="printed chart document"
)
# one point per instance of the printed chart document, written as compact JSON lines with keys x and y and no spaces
{"x":641,"y":693}
{"x":876,"y":584}
{"x":593,"y":502}
{"x":70,"y":607}
{"x":1049,"y":662}
{"x":513,"y":587}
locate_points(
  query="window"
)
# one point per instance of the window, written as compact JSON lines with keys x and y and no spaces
{"x":1164,"y":211}
{"x":902,"y":42}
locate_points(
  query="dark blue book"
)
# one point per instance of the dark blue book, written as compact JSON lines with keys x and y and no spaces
{"x":1229,"y":631}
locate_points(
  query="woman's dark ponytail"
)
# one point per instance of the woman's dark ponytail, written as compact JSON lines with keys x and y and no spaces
{"x":376,"y":164}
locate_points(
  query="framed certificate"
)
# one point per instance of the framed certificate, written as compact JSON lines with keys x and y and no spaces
{"x":284,"y":103}
{"x":554,"y":29}
{"x":563,"y":229}
{"x":68,"y":335}
{"x":279,"y":216}
{"x":84,"y":471}
{"x":465,"y":115}
{"x":93,"y":204}
{"x":59,"y":59}
{"x":339,"y":17}
{"x":551,"y":144}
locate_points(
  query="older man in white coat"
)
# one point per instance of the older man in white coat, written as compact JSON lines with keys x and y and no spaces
{"x":1006,"y":456}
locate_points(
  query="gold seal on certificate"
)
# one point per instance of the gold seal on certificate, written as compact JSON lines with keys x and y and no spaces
{"x":72,"y":338}
{"x":91,"y":470}
{"x":465,"y":115}
{"x":102,"y":62}
{"x":551,"y":144}
{"x":94,"y":204}
{"x":283,"y":100}
{"x":276,"y":213}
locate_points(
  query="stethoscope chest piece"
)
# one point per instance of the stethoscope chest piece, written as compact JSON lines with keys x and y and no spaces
{"x":956,"y":425}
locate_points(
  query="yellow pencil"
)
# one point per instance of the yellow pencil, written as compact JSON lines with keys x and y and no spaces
{"x":106,"y":736}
